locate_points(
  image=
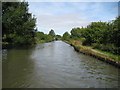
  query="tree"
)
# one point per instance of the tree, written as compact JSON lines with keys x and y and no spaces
{"x":42,"y":38}
{"x":115,"y":38}
{"x":40,"y":35}
{"x":48,"y":38}
{"x":58,"y":37}
{"x":18,"y":24}
{"x":94,"y":32}
{"x":66,"y":36}
{"x":101,"y":35}
{"x":75,"y":33}
{"x":52,"y":33}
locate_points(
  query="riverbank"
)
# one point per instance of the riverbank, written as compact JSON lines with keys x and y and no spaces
{"x":104,"y":56}
{"x":44,"y":41}
{"x":52,"y":62}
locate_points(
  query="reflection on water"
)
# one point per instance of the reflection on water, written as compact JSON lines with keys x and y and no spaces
{"x":55,"y":65}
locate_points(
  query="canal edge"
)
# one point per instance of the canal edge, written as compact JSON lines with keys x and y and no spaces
{"x":99,"y":57}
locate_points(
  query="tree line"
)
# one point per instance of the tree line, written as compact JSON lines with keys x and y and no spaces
{"x":19,"y":28}
{"x":100,"y":35}
{"x":42,"y":38}
{"x":18,"y":25}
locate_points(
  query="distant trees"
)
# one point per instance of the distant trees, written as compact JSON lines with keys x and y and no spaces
{"x":75,"y":33}
{"x":58,"y":37}
{"x":66,"y":36}
{"x":19,"y":28}
{"x":54,"y":36}
{"x":42,"y":38}
{"x":52,"y":33}
{"x":101,"y":35}
{"x":18,"y":24}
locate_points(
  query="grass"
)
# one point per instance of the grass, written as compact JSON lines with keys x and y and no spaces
{"x":41,"y":41}
{"x":96,"y":52}
{"x":110,"y":55}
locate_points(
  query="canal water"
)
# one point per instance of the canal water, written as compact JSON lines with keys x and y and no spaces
{"x":55,"y":65}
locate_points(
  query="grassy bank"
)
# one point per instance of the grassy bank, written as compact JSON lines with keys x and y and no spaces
{"x":101,"y":55}
{"x":41,"y":41}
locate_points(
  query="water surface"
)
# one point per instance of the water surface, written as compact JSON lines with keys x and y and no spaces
{"x":55,"y":65}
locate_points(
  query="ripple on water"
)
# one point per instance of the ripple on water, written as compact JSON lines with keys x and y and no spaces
{"x":56,"y":65}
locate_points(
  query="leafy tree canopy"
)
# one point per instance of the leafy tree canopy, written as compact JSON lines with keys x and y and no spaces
{"x":52,"y":33}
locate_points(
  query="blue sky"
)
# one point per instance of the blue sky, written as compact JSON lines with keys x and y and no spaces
{"x":63,"y":16}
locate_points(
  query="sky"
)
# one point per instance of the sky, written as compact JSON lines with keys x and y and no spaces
{"x":63,"y":16}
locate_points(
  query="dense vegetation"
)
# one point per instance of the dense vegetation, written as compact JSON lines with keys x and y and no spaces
{"x":19,"y":28}
{"x":66,"y":36}
{"x":42,"y":38}
{"x":18,"y":25}
{"x":58,"y":37}
{"x":104,"y":36}
{"x":52,"y":33}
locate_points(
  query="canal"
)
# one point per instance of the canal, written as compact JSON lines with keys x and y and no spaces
{"x":55,"y":65}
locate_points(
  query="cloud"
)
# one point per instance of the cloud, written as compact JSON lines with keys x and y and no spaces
{"x":63,"y":22}
{"x":63,"y":16}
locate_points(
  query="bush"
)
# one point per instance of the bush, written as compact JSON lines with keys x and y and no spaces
{"x":82,"y":40}
{"x":18,"y":40}
{"x":87,"y":42}
{"x":107,"y":47}
{"x":95,"y":45}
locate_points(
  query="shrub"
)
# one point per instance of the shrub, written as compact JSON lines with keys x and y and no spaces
{"x":107,"y":47}
{"x":82,"y":40}
{"x":96,"y":45}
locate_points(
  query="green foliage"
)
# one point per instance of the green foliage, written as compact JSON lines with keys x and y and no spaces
{"x":40,"y":35}
{"x":94,"y":32}
{"x":82,"y":39}
{"x":48,"y":38}
{"x":66,"y":36}
{"x":106,"y":47}
{"x":42,"y":38}
{"x":58,"y":37}
{"x":76,"y":33}
{"x":101,"y":35}
{"x":52,"y":33}
{"x":115,"y":37}
{"x":18,"y":24}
